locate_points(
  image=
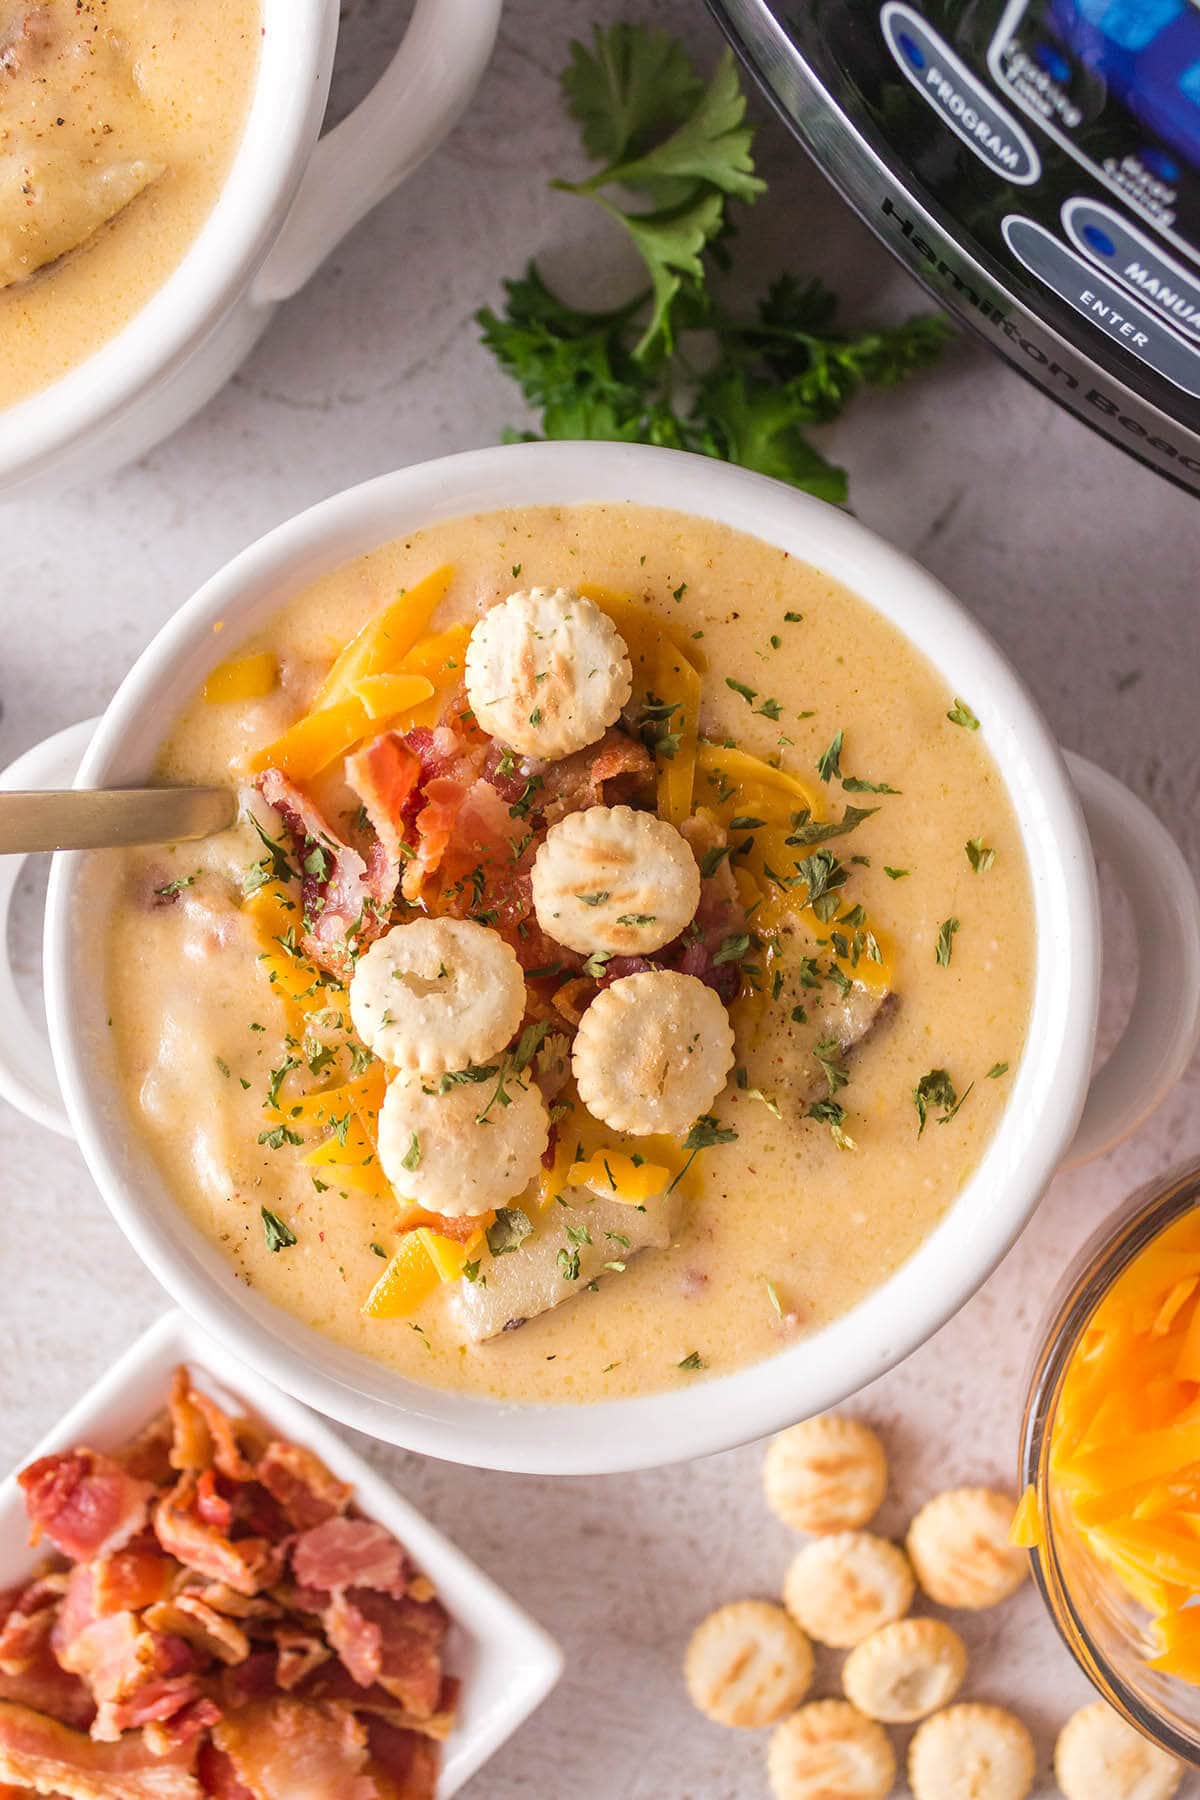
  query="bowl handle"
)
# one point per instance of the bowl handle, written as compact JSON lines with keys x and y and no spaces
{"x":27,"y":1076}
{"x":1163,"y":1027}
{"x":408,"y":112}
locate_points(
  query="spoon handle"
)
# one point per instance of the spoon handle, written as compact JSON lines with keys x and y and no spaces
{"x":106,"y":818}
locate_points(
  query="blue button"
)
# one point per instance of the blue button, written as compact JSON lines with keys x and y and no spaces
{"x":1133,"y":259}
{"x":1099,"y":241}
{"x":1103,"y":304}
{"x":1130,"y":24}
{"x":958,"y":96}
{"x":912,"y":50}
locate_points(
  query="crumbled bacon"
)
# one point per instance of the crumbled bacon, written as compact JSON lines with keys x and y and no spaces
{"x":301,"y":1484}
{"x":229,"y":1628}
{"x":85,"y":1503}
{"x":384,"y":774}
{"x":39,"y":1753}
{"x":346,"y":1553}
{"x":345,"y":897}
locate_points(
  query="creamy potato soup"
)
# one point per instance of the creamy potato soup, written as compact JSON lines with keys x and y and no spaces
{"x":622,"y":961}
{"x":118,"y":123}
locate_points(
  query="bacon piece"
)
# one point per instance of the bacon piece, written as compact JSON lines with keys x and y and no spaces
{"x":288,"y":1749}
{"x":148,"y":1454}
{"x":443,"y":798}
{"x":29,"y":1670}
{"x":211,"y":1504}
{"x":384,"y":774}
{"x":191,"y":1445}
{"x":40,"y":1753}
{"x":223,"y":1599}
{"x":226,"y":1436}
{"x":404,"y":1764}
{"x":218,"y":1775}
{"x":254,"y":1679}
{"x":300,"y":1653}
{"x":396,"y":1643}
{"x":581,"y":779}
{"x":345,"y":1553}
{"x":84,"y":1502}
{"x":153,"y":1703}
{"x":301,"y":1484}
{"x":345,"y":900}
{"x":333,"y":1683}
{"x":164,"y":1735}
{"x":208,"y":1631}
{"x":131,"y":1578}
{"x":246,"y":1565}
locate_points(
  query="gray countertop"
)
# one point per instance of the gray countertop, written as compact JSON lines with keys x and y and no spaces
{"x":1081,"y":564}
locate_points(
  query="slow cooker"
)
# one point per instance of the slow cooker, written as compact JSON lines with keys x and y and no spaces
{"x":1036,"y":163}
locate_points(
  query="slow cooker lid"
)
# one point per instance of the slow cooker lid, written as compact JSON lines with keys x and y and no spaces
{"x":1036,"y":163}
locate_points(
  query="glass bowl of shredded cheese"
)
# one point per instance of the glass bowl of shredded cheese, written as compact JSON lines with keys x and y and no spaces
{"x":1111,"y":1461}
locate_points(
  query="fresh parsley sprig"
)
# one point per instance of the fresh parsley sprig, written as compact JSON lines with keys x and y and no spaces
{"x":633,"y":373}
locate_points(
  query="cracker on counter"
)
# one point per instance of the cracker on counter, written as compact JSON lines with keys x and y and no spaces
{"x":840,"y":1589}
{"x":960,"y":1549}
{"x":969,"y":1751}
{"x":747,"y":1664}
{"x":1099,"y":1757}
{"x":905,"y":1671}
{"x":825,"y":1474}
{"x":828,"y":1748}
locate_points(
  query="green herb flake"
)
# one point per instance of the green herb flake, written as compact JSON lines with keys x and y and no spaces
{"x":945,"y":940}
{"x":961,"y":714}
{"x":933,"y":1089}
{"x":412,"y":1156}
{"x":509,"y":1231}
{"x":171,"y":888}
{"x":996,"y":1070}
{"x":278,"y":1235}
{"x":895,"y":874}
{"x":829,"y":763}
{"x":693,"y":1360}
{"x":707,"y":1131}
{"x":979,"y":855}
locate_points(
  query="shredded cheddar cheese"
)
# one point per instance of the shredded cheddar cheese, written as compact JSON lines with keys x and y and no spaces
{"x":241,"y":678}
{"x":386,"y":638}
{"x":1125,"y":1450}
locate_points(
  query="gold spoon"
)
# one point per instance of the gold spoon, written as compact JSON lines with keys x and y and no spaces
{"x":106,"y":818}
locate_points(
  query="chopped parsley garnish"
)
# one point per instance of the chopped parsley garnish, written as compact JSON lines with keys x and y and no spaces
{"x":995,"y":1072}
{"x":653,"y":725}
{"x":693,"y":1360}
{"x":596,"y":899}
{"x":895,"y":874}
{"x":823,"y":874}
{"x":636,"y":918}
{"x":792,"y":618}
{"x":855,"y":784}
{"x":807,"y":830}
{"x":770,"y":709}
{"x":733,"y":949}
{"x":744,"y":822}
{"x":712,"y":859}
{"x":961,"y":714}
{"x":935,"y":1089}
{"x":276,"y":1139}
{"x":273,"y":867}
{"x":278,"y":1235}
{"x":945,"y":940}
{"x":286,"y":1066}
{"x":318,"y":863}
{"x":471,"y":1271}
{"x":830,"y":1113}
{"x":535,"y":717}
{"x":595,"y":963}
{"x":773,"y":1297}
{"x":707,"y":1131}
{"x":749,"y":694}
{"x":222,"y":1065}
{"x":511,"y":1228}
{"x":829,"y":763}
{"x":513,"y":1064}
{"x":827,"y":1052}
{"x":171,"y":888}
{"x":378,"y":1250}
{"x":412,"y":1156}
{"x":980,"y":855}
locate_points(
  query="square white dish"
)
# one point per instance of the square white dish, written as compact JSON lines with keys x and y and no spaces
{"x":507,"y":1664}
